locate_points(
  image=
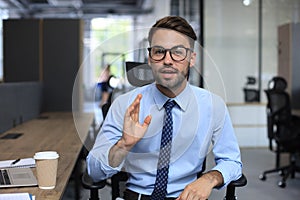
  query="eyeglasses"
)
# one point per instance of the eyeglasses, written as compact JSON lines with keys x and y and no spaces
{"x":177,"y":53}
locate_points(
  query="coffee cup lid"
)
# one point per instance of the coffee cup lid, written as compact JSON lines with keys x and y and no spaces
{"x":46,"y":155}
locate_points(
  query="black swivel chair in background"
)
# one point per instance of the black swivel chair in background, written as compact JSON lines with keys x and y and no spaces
{"x":283,"y":129}
{"x":278,"y":84}
{"x":139,"y":74}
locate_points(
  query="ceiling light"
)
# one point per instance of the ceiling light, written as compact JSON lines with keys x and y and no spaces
{"x":247,"y":2}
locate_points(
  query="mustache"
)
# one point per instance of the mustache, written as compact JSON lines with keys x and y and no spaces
{"x":168,"y":68}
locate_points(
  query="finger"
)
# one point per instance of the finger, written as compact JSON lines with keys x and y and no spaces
{"x":183,"y":195}
{"x":136,"y":101}
{"x":147,"y":121}
{"x":137,"y":107}
{"x":131,"y":110}
{"x":138,"y":111}
{"x":180,"y":197}
{"x":135,"y":112}
{"x":138,"y":98}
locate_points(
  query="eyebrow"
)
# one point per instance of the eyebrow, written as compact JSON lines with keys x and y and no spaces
{"x":181,"y":45}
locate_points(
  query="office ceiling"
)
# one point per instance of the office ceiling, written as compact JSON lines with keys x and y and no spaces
{"x":76,"y":8}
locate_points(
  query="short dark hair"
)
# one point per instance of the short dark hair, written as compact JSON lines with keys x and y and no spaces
{"x":175,"y":23}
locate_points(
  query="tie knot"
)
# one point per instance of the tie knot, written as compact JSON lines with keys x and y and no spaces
{"x":169,"y":105}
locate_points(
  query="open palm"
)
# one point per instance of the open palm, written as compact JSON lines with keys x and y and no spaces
{"x":133,"y":131}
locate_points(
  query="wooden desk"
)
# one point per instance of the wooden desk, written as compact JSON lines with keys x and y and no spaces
{"x":58,"y":132}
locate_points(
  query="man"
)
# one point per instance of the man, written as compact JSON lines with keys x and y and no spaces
{"x":132,"y":136}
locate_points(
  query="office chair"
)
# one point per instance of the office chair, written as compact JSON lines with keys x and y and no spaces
{"x":279,"y":84}
{"x":139,"y":74}
{"x":94,"y":187}
{"x":283,"y":129}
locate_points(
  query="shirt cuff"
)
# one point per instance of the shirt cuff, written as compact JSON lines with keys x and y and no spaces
{"x":228,"y":175}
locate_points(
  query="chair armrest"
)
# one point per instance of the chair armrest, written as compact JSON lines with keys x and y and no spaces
{"x":88,"y":183}
{"x":242,"y":181}
{"x":230,"y":191}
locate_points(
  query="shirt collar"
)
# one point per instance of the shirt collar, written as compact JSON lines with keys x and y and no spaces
{"x":182,"y":99}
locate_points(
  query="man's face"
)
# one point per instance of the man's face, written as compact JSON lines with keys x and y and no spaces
{"x":169,"y":73}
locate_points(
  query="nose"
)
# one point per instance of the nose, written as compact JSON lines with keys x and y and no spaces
{"x":168,"y":59}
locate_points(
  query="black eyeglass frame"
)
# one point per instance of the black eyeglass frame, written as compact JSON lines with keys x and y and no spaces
{"x":170,"y":52}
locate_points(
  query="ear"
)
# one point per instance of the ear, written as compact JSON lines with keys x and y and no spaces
{"x":193,"y":59}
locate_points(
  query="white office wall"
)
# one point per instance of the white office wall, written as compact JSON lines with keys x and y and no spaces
{"x":144,"y":22}
{"x":231,"y":54}
{"x":231,"y":39}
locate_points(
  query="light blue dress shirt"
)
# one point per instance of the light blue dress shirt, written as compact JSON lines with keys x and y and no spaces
{"x":201,"y":124}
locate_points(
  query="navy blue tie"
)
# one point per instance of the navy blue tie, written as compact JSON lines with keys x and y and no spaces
{"x":160,"y":187}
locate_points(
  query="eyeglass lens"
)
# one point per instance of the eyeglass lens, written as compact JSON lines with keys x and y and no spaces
{"x":177,"y":53}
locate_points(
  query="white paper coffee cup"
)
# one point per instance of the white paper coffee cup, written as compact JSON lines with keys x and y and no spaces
{"x":46,"y":168}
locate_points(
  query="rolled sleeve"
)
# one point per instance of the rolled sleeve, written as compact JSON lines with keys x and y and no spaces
{"x":98,"y":166}
{"x":226,"y":150}
{"x":97,"y":160}
{"x":230,"y":172}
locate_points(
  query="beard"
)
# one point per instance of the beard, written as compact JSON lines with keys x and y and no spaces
{"x":177,"y":79}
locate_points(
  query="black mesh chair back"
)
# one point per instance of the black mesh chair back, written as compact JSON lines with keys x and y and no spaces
{"x":139,"y":74}
{"x":277,"y":83}
{"x":283,"y":128}
{"x":278,"y":106}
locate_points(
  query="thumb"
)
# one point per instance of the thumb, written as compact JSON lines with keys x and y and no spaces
{"x":147,"y":121}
